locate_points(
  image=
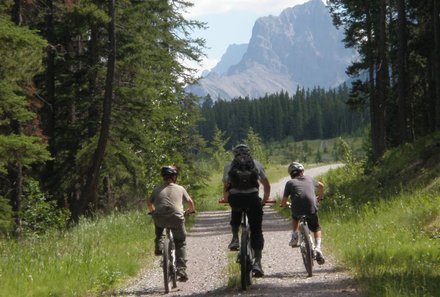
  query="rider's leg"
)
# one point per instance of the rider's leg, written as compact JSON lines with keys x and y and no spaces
{"x":255,"y":215}
{"x":158,"y":241}
{"x":295,"y":228}
{"x":315,"y":227}
{"x":317,"y":236}
{"x":179,"y":234}
{"x":235,"y":226}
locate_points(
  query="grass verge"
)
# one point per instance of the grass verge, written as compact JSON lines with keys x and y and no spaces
{"x":385,"y":226}
{"x":92,"y":257}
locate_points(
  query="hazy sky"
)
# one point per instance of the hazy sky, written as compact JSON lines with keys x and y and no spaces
{"x":231,"y":21}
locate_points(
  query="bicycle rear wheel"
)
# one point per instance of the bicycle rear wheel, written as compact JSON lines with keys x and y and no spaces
{"x":166,"y":265}
{"x":306,"y":249}
{"x":172,"y":263}
{"x":245,"y":262}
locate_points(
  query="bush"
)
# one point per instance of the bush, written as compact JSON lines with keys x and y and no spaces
{"x":5,"y":217}
{"x":39,"y":213}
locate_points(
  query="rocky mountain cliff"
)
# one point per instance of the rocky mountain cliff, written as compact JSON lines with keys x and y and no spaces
{"x":300,"y":47}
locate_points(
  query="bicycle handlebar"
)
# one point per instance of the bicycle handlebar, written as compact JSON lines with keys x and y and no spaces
{"x":221,"y":201}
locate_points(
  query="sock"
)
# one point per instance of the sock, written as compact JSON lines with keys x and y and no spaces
{"x":318,"y":243}
{"x":294,"y":234}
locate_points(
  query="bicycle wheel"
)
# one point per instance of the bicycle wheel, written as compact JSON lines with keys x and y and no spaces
{"x":166,"y":265}
{"x":306,"y":249}
{"x":245,"y":267}
{"x":172,"y":263}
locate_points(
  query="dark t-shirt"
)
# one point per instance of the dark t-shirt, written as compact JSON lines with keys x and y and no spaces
{"x":301,"y":191}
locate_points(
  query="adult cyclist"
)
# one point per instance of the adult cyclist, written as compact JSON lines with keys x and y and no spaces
{"x":242,"y":197}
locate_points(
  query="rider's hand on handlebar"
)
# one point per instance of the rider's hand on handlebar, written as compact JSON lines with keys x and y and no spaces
{"x":223,"y":200}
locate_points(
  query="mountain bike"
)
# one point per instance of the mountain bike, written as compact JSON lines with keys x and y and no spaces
{"x":246,"y":252}
{"x":306,"y":244}
{"x":169,"y":259}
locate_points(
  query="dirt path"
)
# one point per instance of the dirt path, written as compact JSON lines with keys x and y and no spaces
{"x":284,"y":271}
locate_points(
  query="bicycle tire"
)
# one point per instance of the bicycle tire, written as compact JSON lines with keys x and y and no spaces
{"x":244,"y":260}
{"x":166,"y":265}
{"x":172,"y":264}
{"x":250,"y":260}
{"x":306,"y":249}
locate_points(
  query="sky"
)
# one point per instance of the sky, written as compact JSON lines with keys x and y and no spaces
{"x":230,"y":22}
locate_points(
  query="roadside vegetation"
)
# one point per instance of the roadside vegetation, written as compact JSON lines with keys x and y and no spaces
{"x":382,"y":222}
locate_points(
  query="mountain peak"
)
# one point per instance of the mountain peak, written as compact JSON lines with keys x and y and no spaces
{"x":300,"y":47}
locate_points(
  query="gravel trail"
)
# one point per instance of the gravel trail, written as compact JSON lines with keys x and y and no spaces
{"x":285,"y":274}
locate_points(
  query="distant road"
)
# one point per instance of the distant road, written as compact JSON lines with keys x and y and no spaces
{"x":278,"y":187}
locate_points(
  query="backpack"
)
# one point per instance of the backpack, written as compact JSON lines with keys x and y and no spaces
{"x":243,"y":174}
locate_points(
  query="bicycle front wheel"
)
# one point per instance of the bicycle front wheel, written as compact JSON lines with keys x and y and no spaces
{"x":306,"y":249}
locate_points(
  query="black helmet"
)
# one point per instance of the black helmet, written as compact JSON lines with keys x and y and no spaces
{"x":241,"y":149}
{"x":169,"y":170}
{"x":295,"y":168}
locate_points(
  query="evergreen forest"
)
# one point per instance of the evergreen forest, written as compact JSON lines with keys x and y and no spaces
{"x":308,"y":114}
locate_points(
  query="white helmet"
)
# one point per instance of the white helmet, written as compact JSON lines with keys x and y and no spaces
{"x":295,"y":168}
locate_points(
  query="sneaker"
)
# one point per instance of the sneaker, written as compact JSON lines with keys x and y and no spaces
{"x":234,"y":245}
{"x":257,"y":271}
{"x":182,"y":276}
{"x":319,"y":257}
{"x":294,"y":241}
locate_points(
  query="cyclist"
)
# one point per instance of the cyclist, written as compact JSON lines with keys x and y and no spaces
{"x":301,"y":190}
{"x":166,"y":205}
{"x":246,"y":196}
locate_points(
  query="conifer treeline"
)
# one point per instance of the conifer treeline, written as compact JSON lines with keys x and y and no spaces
{"x":398,"y":42}
{"x":92,"y":101}
{"x":309,"y":114}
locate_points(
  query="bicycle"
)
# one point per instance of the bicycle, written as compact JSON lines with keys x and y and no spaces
{"x":169,"y":259}
{"x":246,"y":252}
{"x":306,"y":244}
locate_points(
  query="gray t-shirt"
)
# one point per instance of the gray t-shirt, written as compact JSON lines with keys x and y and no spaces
{"x":261,"y":176}
{"x":301,"y":191}
{"x":168,"y":200}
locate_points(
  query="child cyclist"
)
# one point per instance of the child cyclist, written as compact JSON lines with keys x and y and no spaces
{"x":301,"y":190}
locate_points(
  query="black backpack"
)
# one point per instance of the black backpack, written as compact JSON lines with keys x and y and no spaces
{"x":243,"y":174}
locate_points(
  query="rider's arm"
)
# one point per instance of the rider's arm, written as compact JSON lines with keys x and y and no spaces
{"x":150,"y":206}
{"x":225,"y":192}
{"x":190,"y":205}
{"x":266,"y":189}
{"x":284,"y":201}
{"x":320,"y":191}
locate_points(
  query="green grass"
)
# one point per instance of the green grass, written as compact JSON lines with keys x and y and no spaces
{"x":314,"y":151}
{"x":385,"y":226}
{"x":92,"y":257}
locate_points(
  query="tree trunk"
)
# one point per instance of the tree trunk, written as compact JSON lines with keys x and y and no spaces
{"x":436,"y":64}
{"x":48,"y":111}
{"x":89,"y":196}
{"x":402,"y":90}
{"x":381,"y":90}
{"x":15,"y":169}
